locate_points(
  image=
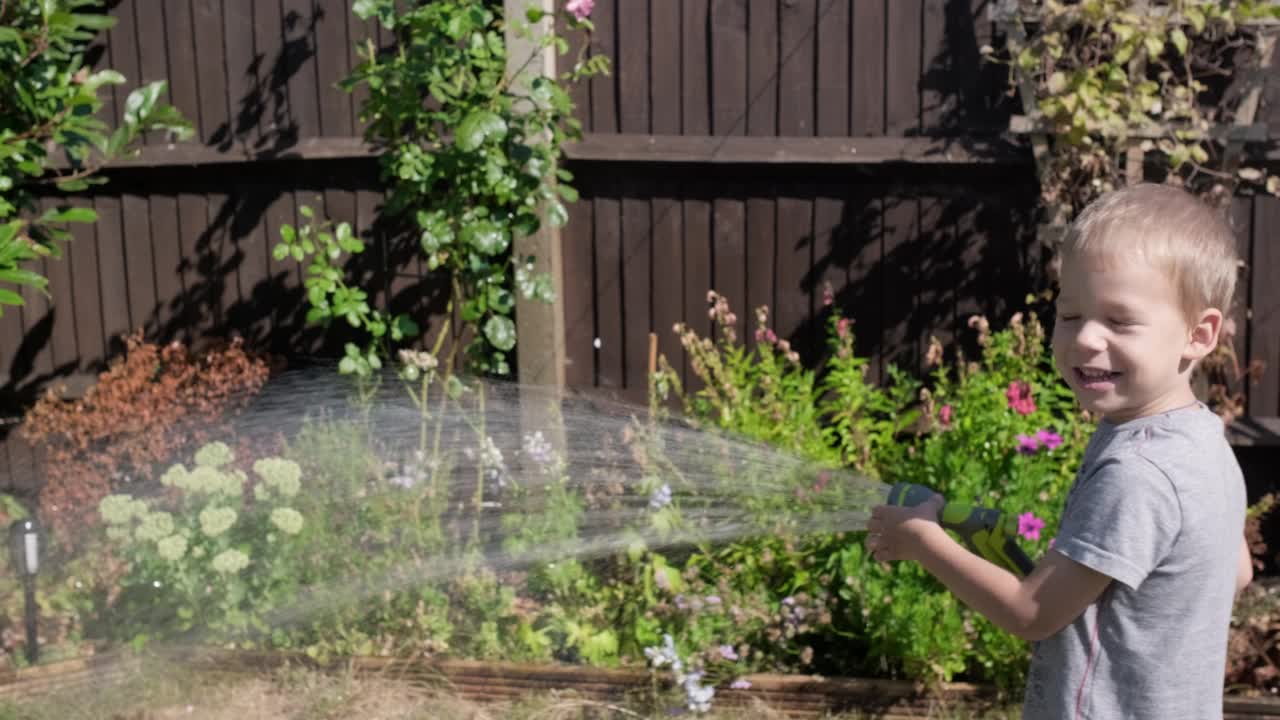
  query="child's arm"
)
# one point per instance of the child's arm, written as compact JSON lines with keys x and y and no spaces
{"x":1244,"y":567}
{"x":1053,"y":595}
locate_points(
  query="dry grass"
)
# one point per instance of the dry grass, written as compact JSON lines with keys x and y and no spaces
{"x":169,"y":694}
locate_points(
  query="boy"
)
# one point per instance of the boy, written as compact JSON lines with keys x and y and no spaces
{"x":1130,"y":608}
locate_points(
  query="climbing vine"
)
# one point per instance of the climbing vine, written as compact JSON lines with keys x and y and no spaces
{"x":1128,"y":90}
{"x":472,"y":160}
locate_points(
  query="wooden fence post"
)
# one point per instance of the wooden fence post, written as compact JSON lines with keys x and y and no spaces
{"x":539,"y":325}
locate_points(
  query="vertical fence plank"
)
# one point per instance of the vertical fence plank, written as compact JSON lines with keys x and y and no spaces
{"x":668,"y":242}
{"x":632,"y":64}
{"x":61,"y":304}
{"x":938,"y":276}
{"x":246,"y":98}
{"x":112,"y":271}
{"x":216,"y":122}
{"x":332,"y":66}
{"x":580,"y":92}
{"x":579,"y":297}
{"x":284,"y":277}
{"x":636,"y":275}
{"x":276,"y":123}
{"x":170,"y":271}
{"x":898,"y":261}
{"x":866,"y":96}
{"x":728,"y":259}
{"x":795,"y":258}
{"x":834,"y":56}
{"x":1264,"y":331}
{"x":762,"y":255}
{"x":799,"y":45}
{"x":695,"y":68}
{"x":204,"y":288}
{"x":831,"y":261}
{"x":11,"y":371}
{"x":762,"y":67}
{"x":219,"y":260}
{"x":698,"y":277}
{"x":604,"y":90}
{"x":941,"y":79}
{"x":668,"y":271}
{"x":359,"y":34}
{"x":728,"y":67}
{"x":124,"y":46}
{"x":152,"y":55}
{"x":608,"y":288}
{"x":183,"y":69}
{"x":139,"y":258}
{"x":902,"y":67}
{"x":299,"y":63}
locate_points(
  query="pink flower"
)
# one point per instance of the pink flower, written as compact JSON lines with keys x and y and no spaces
{"x":1019,"y":394}
{"x":828,"y":295}
{"x":1050,"y":439}
{"x":1027,"y":445}
{"x":944,"y":415}
{"x":771,"y":336}
{"x":842,"y":327}
{"x":581,"y":9}
{"x":1029,"y":526}
{"x":740,"y":684}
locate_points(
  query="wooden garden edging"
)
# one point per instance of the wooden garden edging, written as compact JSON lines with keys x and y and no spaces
{"x":797,"y":696}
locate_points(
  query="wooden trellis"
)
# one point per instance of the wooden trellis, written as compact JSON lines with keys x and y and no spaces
{"x":1012,"y":18}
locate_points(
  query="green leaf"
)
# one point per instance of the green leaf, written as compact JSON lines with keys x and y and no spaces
{"x":68,"y":215}
{"x":478,"y":126}
{"x":1179,"y":40}
{"x":486,"y":237}
{"x":501,"y":332}
{"x":8,"y":297}
{"x":94,"y":22}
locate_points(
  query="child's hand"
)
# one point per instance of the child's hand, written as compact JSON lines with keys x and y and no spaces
{"x":895,"y":533}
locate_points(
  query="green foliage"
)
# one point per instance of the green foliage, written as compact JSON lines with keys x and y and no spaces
{"x":49,"y":102}
{"x":471,"y":168}
{"x":215,"y":558}
{"x":960,"y":434}
{"x":1108,"y":73}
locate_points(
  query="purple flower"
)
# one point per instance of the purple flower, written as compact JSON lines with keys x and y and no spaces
{"x":1029,"y":526}
{"x":740,"y":684}
{"x":1027,"y":445}
{"x":713,"y":599}
{"x":1050,"y":439}
{"x":727,"y":652}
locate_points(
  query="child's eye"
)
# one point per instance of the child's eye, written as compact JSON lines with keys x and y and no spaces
{"x":1068,"y":317}
{"x":1120,"y":322}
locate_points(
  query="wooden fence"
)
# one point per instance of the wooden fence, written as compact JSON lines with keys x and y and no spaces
{"x":756,"y":147}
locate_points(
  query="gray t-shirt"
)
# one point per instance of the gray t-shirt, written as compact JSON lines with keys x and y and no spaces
{"x":1158,"y":505}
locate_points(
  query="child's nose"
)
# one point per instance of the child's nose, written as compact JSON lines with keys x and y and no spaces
{"x":1091,"y":336}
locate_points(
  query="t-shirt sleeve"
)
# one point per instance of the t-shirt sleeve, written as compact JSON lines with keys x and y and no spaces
{"x":1122,"y":520}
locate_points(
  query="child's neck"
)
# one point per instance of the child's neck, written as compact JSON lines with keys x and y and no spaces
{"x":1182,"y":397}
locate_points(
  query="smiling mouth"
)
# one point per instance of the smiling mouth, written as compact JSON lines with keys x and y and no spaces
{"x":1090,"y":376}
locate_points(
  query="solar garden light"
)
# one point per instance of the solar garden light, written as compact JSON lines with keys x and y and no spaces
{"x":24,"y":548}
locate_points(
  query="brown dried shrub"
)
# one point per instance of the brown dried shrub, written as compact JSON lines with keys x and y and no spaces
{"x":150,"y":406}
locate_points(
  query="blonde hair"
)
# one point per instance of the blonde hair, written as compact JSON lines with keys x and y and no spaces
{"x":1169,"y":228}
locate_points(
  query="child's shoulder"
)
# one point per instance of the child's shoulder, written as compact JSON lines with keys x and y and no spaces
{"x":1174,"y":443}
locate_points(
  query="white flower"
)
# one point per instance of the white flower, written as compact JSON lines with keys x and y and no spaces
{"x":230,"y":561}
{"x":172,"y":548}
{"x":216,"y":520}
{"x":282,"y":476}
{"x":660,"y":497}
{"x":537,"y":448}
{"x":214,"y":455}
{"x":155,"y":527}
{"x":120,"y":509}
{"x":288,"y":520}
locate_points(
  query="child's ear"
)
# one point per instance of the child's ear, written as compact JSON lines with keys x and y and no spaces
{"x":1203,"y":337}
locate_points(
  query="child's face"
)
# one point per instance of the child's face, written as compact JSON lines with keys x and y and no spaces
{"x":1121,"y":339}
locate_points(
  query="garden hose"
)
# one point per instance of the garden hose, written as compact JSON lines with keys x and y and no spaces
{"x":986,"y":531}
